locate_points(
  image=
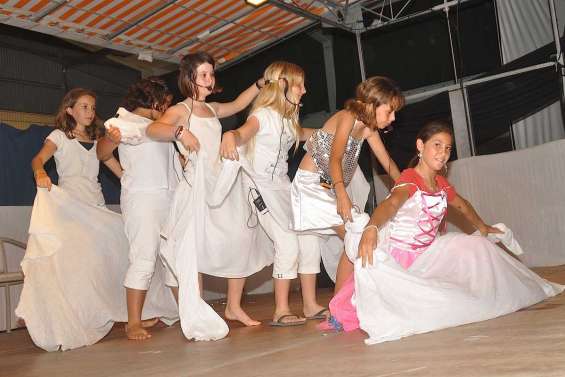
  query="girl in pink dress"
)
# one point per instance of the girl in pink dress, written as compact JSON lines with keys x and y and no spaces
{"x":409,"y":279}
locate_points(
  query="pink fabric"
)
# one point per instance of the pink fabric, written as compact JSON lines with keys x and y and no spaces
{"x":341,"y":308}
{"x":403,"y":257}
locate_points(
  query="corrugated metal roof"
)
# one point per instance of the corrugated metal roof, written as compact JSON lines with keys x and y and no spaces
{"x":228,"y":29}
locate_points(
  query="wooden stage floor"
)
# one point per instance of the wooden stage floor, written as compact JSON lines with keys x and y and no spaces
{"x":530,"y":342}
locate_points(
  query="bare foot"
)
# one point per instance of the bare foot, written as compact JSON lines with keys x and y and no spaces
{"x":136,"y":331}
{"x":316,"y":312}
{"x":148,"y":323}
{"x":237,"y":314}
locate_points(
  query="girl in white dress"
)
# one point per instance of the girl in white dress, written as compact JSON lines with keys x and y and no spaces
{"x":215,"y":240}
{"x":409,"y":279}
{"x":271,"y":130}
{"x":320,"y":202}
{"x":76,"y":255}
{"x":147,"y":186}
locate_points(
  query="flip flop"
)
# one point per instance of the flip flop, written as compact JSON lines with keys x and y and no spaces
{"x":280,"y":323}
{"x":322,"y":314}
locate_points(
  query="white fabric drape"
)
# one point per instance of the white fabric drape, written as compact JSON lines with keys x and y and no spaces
{"x":525,"y":25}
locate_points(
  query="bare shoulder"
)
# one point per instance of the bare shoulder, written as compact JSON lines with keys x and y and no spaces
{"x":343,"y":119}
{"x":345,"y":116}
{"x":175,"y":113}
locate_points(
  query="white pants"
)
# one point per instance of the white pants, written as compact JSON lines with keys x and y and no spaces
{"x":294,"y":253}
{"x":144,"y":214}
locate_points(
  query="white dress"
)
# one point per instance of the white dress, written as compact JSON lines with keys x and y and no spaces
{"x":76,"y":258}
{"x":212,"y":238}
{"x":421,"y":281}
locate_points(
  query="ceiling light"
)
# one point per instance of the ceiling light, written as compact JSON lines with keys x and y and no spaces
{"x":255,"y":3}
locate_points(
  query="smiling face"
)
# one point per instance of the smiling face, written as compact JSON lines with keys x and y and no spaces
{"x":83,"y":111}
{"x":435,"y":151}
{"x":205,"y":79}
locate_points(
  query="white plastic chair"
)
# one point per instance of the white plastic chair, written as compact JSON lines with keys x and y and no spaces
{"x":8,"y":278}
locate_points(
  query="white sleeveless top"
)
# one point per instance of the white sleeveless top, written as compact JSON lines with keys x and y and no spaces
{"x":208,"y":131}
{"x":77,"y":168}
{"x":272,"y":142}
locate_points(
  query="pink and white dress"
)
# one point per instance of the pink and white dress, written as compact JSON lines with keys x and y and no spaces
{"x":422,"y":281}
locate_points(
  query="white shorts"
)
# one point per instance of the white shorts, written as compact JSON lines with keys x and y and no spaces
{"x":294,"y":253}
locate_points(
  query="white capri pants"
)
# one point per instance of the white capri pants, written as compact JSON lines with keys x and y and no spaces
{"x":144,"y":215}
{"x":294,"y":253}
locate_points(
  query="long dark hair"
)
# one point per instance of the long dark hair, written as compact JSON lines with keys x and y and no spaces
{"x":148,"y":93}
{"x":376,"y":90}
{"x":66,"y":123}
{"x":430,"y":129}
{"x":188,"y":73}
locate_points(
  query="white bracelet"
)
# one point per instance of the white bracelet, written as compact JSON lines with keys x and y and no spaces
{"x":371,"y":226}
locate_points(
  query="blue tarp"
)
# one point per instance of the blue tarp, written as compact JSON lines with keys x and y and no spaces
{"x":17,"y":149}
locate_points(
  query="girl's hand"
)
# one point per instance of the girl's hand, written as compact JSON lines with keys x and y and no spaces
{"x":486,"y":229}
{"x":114,"y":134}
{"x":367,"y":245}
{"x":189,"y":141}
{"x":344,"y":205}
{"x":228,"y":148}
{"x":42,"y":180}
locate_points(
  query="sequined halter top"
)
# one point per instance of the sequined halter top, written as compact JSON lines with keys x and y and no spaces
{"x":320,"y":144}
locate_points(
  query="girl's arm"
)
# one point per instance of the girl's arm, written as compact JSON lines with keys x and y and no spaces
{"x":40,"y":175}
{"x":106,"y":145}
{"x":241,"y":102}
{"x":114,"y":166}
{"x":342,"y":131}
{"x":467,"y":210}
{"x":380,"y":152}
{"x":305,"y":133}
{"x":383,"y":213}
{"x":168,"y":128}
{"x":234,"y":138}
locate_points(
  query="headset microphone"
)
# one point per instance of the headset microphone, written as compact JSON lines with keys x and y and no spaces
{"x":299,"y":104}
{"x":209,"y":87}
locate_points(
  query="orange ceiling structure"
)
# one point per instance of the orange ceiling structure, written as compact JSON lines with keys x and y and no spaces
{"x":163,"y":29}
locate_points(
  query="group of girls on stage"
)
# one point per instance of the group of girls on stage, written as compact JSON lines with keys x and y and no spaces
{"x":223,"y":205}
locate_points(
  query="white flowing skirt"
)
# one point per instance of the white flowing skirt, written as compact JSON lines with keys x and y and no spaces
{"x":207,"y":231}
{"x":74,"y":266}
{"x":314,"y":209}
{"x":459,"y":279}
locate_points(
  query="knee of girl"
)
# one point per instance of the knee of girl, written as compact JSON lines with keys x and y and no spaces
{"x":285,"y":268}
{"x":285,"y":275}
{"x":309,"y":269}
{"x":139,"y":275}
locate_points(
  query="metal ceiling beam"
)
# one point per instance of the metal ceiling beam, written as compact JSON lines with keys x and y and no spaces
{"x":304,"y":13}
{"x":50,"y":9}
{"x":137,"y":22}
{"x":437,"y":8}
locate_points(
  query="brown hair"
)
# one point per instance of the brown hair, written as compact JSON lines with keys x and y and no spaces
{"x":188,"y":72}
{"x":376,"y":91}
{"x":430,"y":129}
{"x":148,"y":93}
{"x":66,"y":123}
